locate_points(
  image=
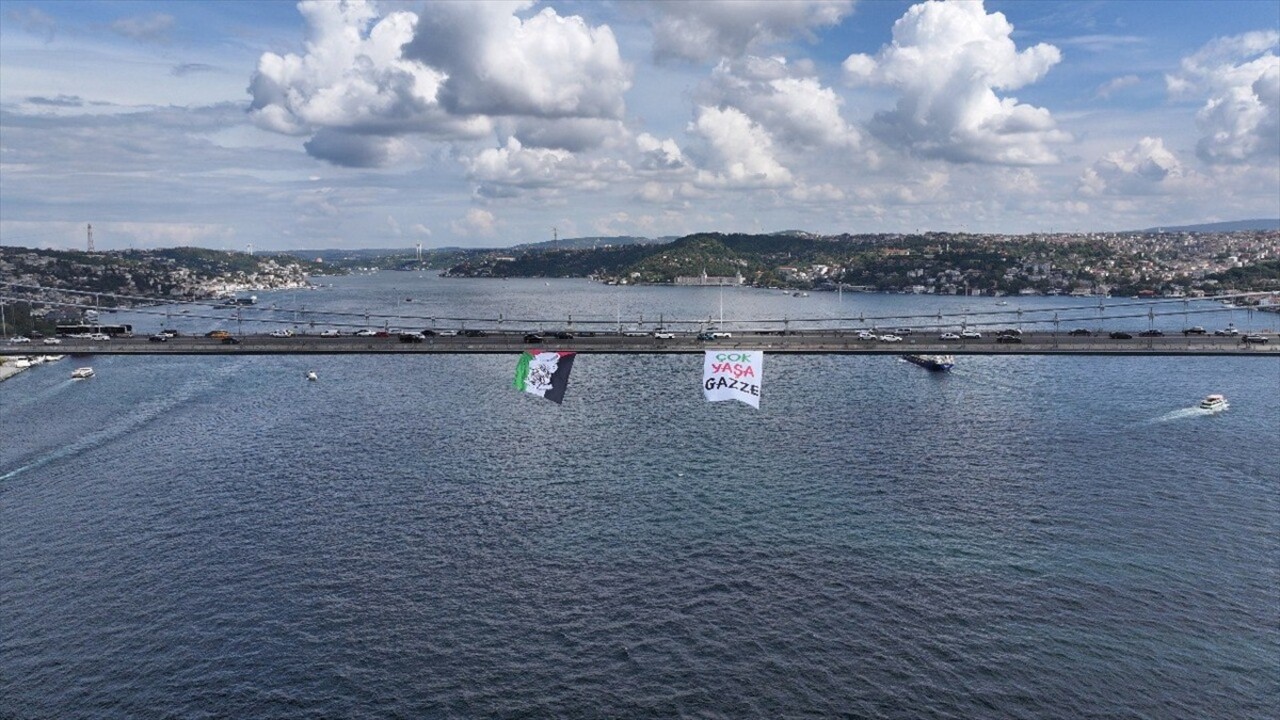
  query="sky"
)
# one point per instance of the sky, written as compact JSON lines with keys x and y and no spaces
{"x":240,"y":124}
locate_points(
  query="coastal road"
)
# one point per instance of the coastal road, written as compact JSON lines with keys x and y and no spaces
{"x":799,"y":342}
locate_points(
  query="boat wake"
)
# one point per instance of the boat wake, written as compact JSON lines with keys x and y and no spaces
{"x":142,"y":414}
{"x":1181,"y":414}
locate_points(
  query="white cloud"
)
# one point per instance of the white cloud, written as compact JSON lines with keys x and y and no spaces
{"x":498,"y":64}
{"x":1114,"y":85}
{"x":1144,"y":169}
{"x":353,"y":89}
{"x":420,"y":230}
{"x":947,"y":60}
{"x":517,"y":165}
{"x":740,"y":151}
{"x":660,"y":154}
{"x":476,"y":223}
{"x":150,"y":28}
{"x":711,"y":29}
{"x":1240,"y":75}
{"x":785,"y":99}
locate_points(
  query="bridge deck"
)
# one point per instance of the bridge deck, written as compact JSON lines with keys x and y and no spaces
{"x":1033,"y":343}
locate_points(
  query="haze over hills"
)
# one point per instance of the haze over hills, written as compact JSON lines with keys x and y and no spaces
{"x":1228,"y":226}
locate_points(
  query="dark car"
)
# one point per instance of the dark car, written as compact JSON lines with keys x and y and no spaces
{"x":1010,"y":331}
{"x":563,"y":335}
{"x":1117,"y":335}
{"x":1253,"y":339}
{"x":533,"y":338}
{"x":159,"y":338}
{"x":410,"y":337}
{"x":428,"y":333}
{"x":474,"y":333}
{"x":230,"y":340}
{"x":1150,"y":333}
{"x":1008,"y":339}
{"x":706,"y":336}
{"x":1081,"y":332}
{"x":1197,"y":330}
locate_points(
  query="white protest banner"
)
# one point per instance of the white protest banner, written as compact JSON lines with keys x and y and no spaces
{"x":733,"y":375}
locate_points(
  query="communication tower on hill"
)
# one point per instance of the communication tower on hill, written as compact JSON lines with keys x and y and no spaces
{"x":90,"y":237}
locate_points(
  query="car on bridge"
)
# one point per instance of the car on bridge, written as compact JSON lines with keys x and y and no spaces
{"x":866,"y":335}
{"x":411,"y":337}
{"x":228,"y":340}
{"x":1197,"y":330}
{"x":217,"y":334}
{"x":1119,"y":335}
{"x":1150,"y":333}
{"x":330,"y":333}
{"x":1228,"y":331}
{"x":1253,"y":339}
{"x":890,"y":338}
{"x":971,"y":335}
{"x":1080,"y":332}
{"x":365,"y":332}
{"x":52,"y":341}
{"x":282,"y":333}
{"x":1008,"y":339}
{"x":564,"y":335}
{"x":948,"y":336}
{"x":533,"y":338}
{"x":19,"y":339}
{"x":664,"y":335}
{"x":158,"y":337}
{"x":704,"y":336}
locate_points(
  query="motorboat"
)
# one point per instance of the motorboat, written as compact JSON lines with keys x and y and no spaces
{"x":81,"y":373}
{"x":311,"y":375}
{"x":937,"y":363}
{"x":1214,"y":403}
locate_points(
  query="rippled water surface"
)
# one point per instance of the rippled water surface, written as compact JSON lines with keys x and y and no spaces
{"x":409,"y":537}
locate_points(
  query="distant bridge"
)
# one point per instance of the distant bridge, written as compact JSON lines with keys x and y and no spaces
{"x":809,"y":342}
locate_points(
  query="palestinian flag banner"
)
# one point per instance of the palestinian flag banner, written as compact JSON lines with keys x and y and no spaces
{"x":733,"y":375}
{"x":544,"y":373}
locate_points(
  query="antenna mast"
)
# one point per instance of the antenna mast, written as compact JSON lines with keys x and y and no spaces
{"x":90,"y":232}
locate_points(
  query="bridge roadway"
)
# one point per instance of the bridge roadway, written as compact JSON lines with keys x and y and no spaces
{"x":797,"y":342}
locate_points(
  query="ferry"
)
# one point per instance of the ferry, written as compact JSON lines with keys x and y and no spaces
{"x":1214,"y":403}
{"x":938,"y":363}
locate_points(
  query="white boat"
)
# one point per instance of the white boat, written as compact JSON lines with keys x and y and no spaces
{"x":83,"y":372}
{"x":311,"y":375}
{"x":938,"y":363}
{"x":1214,"y":403}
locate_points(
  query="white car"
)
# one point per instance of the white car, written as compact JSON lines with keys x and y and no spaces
{"x":99,"y":336}
{"x":890,"y":338}
{"x":16,"y":339}
{"x":971,"y":335}
{"x":664,"y":335}
{"x":330,"y":333}
{"x":282,"y":333}
{"x":366,"y":333}
{"x":721,"y":335}
{"x":444,"y":333}
{"x":864,"y":335}
{"x":52,"y":341}
{"x":948,"y":336}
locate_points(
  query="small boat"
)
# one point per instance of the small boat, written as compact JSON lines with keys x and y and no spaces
{"x":311,"y":375}
{"x":1214,"y":403}
{"x":80,"y":373}
{"x":938,"y":363}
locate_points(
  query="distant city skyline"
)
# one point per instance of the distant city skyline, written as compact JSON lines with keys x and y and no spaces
{"x":282,"y":125}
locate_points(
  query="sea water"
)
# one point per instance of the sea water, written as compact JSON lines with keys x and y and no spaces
{"x":410,"y":537}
